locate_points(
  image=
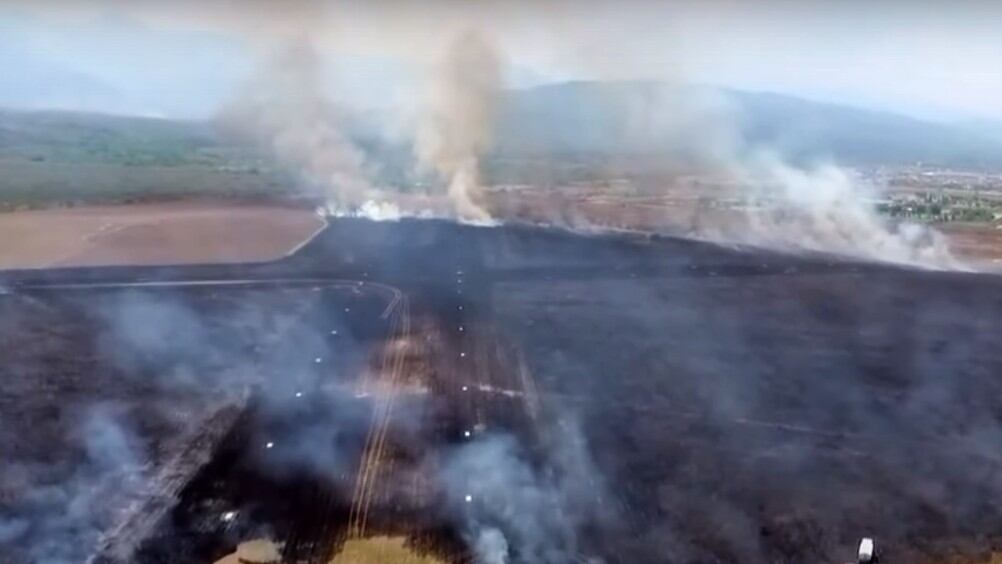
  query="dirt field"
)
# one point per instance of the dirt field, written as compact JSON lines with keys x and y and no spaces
{"x":152,"y":233}
{"x":978,"y":243}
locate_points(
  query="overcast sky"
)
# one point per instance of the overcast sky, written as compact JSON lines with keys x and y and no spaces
{"x":935,"y":60}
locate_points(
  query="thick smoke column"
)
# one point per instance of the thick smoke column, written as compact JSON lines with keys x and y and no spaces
{"x":285,"y":109}
{"x":457,"y":124}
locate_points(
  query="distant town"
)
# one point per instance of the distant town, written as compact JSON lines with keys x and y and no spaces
{"x":937,"y":195}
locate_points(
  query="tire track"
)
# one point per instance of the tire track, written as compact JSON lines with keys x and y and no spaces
{"x":373,"y":457}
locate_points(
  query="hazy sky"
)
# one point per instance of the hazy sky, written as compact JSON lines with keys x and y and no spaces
{"x":938,"y":60}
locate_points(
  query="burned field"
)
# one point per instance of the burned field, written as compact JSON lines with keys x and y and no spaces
{"x":501,"y":394}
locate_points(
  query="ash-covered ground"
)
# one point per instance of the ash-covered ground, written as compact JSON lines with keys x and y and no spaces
{"x":505,"y":394}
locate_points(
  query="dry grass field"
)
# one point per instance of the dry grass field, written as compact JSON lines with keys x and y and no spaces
{"x":181,"y":232}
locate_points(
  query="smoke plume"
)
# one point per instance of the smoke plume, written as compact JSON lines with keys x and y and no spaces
{"x":457,"y":124}
{"x":825,"y":209}
{"x":515,"y":508}
{"x":285,"y":109}
{"x":60,"y":522}
{"x":768,"y":200}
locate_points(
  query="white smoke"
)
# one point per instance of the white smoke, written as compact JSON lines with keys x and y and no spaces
{"x":457,"y":123}
{"x":60,"y":522}
{"x":818,"y":207}
{"x":285,"y":109}
{"x":825,"y":209}
{"x":515,"y":509}
{"x":491,"y":547}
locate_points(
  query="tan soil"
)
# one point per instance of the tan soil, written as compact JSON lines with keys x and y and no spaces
{"x":977,"y":242}
{"x":152,"y":233}
{"x":259,"y":551}
{"x":379,"y":550}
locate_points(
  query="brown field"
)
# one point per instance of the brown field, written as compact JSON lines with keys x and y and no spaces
{"x":978,"y":242}
{"x":377,"y":550}
{"x":153,"y":233}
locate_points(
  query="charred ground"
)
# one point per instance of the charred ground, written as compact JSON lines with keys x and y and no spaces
{"x":627,"y":399}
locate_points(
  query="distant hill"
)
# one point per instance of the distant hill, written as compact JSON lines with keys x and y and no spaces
{"x":559,"y":132}
{"x":61,"y":158}
{"x":609,"y":118}
{"x":96,"y":138}
{"x":802,"y":128}
{"x":31,"y":81}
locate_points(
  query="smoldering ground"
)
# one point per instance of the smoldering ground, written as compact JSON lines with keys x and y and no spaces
{"x":290,"y":366}
{"x":138,"y":374}
{"x":62,"y":507}
{"x":167,"y":361}
{"x":516,"y":505}
{"x":737,"y":406}
{"x":782,"y":418}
